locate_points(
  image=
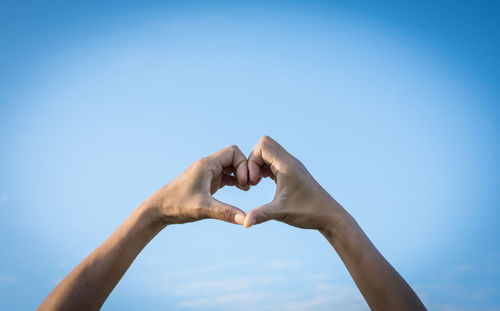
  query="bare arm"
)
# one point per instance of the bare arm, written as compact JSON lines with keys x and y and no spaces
{"x":91,"y":282}
{"x":187,"y":198}
{"x":380,"y":284}
{"x":301,"y":202}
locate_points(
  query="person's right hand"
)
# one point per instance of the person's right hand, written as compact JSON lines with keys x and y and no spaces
{"x":189,"y":197}
{"x":299,"y":200}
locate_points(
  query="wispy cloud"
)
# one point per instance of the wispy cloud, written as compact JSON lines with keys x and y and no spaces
{"x":3,"y":198}
{"x":318,"y":277}
{"x":247,"y":300}
{"x":282,"y":264}
{"x":272,"y":264}
{"x":461,"y":308}
{"x":329,"y":297}
{"x":5,"y":278}
{"x":464,"y":268}
{"x":432,"y":295}
{"x":226,"y":285}
{"x":325,"y":297}
{"x":266,"y":288}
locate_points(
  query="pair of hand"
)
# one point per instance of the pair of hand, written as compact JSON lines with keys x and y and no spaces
{"x":299,"y":200}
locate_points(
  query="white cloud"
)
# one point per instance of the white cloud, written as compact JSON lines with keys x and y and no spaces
{"x":226,"y":285}
{"x":432,"y":294}
{"x":197,"y":271}
{"x":318,"y":277}
{"x":460,"y":308}
{"x":349,"y":302}
{"x":241,"y":301}
{"x":326,"y":297}
{"x":269,"y":285}
{"x":464,"y":268}
{"x":272,"y":264}
{"x":282,"y":264}
{"x":8,"y":279}
{"x":3,"y":198}
{"x":329,"y":297}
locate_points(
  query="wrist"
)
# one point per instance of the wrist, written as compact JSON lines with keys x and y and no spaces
{"x":338,"y":222}
{"x":152,"y":215}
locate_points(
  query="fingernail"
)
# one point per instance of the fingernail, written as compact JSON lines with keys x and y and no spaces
{"x":239,"y":218}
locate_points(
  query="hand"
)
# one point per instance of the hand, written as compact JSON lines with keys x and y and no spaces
{"x":189,"y":198}
{"x":299,"y":200}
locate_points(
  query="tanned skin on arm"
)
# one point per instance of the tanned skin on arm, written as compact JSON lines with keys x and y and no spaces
{"x":379,"y":283}
{"x":91,"y":282}
{"x":185,"y":199}
{"x":301,"y":202}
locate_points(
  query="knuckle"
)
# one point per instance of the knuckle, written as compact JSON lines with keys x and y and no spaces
{"x":225,"y":214}
{"x":265,"y":143}
{"x":266,"y":139}
{"x":203,"y":162}
{"x":233,"y":148}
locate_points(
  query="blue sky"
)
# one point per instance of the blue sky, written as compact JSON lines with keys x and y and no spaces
{"x":393,"y":108}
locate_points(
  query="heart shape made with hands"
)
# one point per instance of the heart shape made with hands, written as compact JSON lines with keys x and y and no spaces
{"x":255,"y":186}
{"x":298,"y":200}
{"x":295,"y":187}
{"x":230,"y":167}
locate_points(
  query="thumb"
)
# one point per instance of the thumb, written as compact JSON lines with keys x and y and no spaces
{"x":225,"y":212}
{"x":261,"y":214}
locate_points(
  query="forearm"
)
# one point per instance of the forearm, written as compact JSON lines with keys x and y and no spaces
{"x":187,"y":198}
{"x":91,"y":282}
{"x":380,"y":284}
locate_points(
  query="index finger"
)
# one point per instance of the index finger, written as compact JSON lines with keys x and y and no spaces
{"x":267,"y":151}
{"x":232,"y":156}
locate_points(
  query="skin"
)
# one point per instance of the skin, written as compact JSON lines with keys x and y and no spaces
{"x":299,"y":201}
{"x":187,"y":198}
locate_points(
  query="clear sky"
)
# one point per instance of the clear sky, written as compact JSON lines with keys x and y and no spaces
{"x":393,"y":108}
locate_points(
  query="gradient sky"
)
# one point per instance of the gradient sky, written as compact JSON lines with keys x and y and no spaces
{"x":393,"y":108}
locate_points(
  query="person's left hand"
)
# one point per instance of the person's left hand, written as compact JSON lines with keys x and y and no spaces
{"x":189,"y":197}
{"x":299,"y":201}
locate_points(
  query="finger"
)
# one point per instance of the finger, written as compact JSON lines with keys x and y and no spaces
{"x":266,"y":152}
{"x":255,"y":161}
{"x":234,"y":158}
{"x":224,"y":180}
{"x":256,"y":182}
{"x":228,"y":170}
{"x":228,"y":180}
{"x":266,"y":171}
{"x":261,"y":214}
{"x":225,"y":212}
